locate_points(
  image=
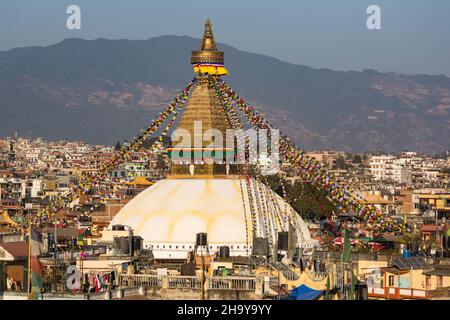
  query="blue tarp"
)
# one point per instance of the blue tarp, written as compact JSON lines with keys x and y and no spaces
{"x":304,"y":292}
{"x":406,"y":253}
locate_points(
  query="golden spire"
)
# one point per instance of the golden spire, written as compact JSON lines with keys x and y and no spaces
{"x":208,"y":42}
{"x":208,"y":52}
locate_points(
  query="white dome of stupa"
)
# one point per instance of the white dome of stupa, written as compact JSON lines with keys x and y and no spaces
{"x":169,"y":214}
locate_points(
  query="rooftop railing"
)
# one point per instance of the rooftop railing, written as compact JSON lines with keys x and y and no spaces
{"x":184,"y":282}
{"x":187,"y":282}
{"x":148,"y":280}
{"x":232,"y":283}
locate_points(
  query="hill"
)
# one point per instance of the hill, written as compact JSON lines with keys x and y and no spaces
{"x":106,"y":90}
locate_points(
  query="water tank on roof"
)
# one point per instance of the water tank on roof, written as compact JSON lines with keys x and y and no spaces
{"x":283,"y":238}
{"x":261,"y":247}
{"x":136,"y":245}
{"x":121,"y":245}
{"x":224,"y":252}
{"x":202,"y":239}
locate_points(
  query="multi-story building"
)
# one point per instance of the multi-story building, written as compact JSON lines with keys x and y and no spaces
{"x":15,"y":190}
{"x":426,"y":202}
{"x":407,"y":168}
{"x":327,"y":158}
{"x":383,"y":168}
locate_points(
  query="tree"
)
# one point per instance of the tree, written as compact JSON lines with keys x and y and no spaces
{"x":340,"y":163}
{"x":118,"y":146}
{"x":308,"y":202}
{"x":160,"y":163}
{"x":357,"y":159}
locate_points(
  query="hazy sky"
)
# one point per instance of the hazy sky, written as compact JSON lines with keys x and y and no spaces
{"x":415,"y":35}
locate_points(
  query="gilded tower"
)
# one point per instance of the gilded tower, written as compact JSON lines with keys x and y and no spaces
{"x":203,"y":114}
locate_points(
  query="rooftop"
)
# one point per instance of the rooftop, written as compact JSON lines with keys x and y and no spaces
{"x":16,"y":249}
{"x":439,"y":270}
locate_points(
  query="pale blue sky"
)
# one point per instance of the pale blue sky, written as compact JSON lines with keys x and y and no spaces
{"x":415,"y":35}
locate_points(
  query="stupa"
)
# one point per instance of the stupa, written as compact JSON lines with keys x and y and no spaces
{"x":211,"y":198}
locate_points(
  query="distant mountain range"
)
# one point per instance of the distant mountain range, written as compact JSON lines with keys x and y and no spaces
{"x":107,"y":90}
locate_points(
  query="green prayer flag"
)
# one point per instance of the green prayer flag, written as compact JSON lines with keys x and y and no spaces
{"x":347,"y":248}
{"x":353,"y":286}
{"x":327,"y":295}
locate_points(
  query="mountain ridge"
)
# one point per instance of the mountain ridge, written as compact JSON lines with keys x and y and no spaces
{"x":105,"y":90}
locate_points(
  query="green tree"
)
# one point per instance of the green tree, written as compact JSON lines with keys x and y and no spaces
{"x":160,"y":163}
{"x":357,"y":159}
{"x":307,"y":201}
{"x":340,"y":163}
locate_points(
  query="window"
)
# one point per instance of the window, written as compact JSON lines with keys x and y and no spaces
{"x":176,"y":247}
{"x":428,"y":282}
{"x":440,"y":282}
{"x":391,"y":281}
